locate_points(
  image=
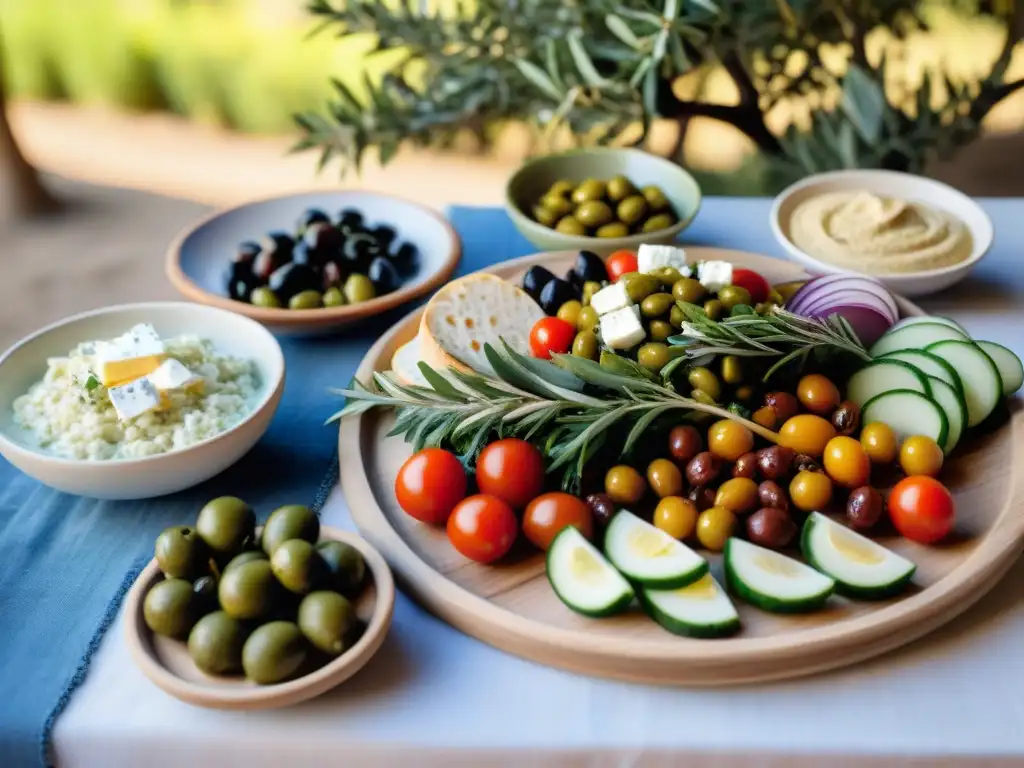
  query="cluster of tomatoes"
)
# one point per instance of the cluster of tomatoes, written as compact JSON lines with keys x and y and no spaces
{"x":432,"y":487}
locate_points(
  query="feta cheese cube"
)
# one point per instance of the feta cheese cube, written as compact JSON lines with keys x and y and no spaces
{"x":610,"y":298}
{"x":134,"y":398}
{"x":651,"y":257}
{"x":715,"y":275}
{"x":172,"y":375}
{"x":621,"y":329}
{"x":130,"y":356}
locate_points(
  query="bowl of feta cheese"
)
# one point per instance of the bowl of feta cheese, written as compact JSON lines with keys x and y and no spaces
{"x":138,"y":400}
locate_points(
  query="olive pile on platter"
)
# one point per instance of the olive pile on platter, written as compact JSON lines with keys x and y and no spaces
{"x":596,"y":208}
{"x":270,"y":606}
{"x":324,"y":263}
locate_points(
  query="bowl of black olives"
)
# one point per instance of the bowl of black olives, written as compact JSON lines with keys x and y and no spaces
{"x":601,"y":199}
{"x":315,"y":261}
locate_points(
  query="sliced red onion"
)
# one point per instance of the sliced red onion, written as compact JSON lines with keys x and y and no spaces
{"x":843,"y":297}
{"x":814,"y":288}
{"x":867,"y":322}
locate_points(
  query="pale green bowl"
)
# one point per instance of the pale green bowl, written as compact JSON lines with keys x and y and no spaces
{"x":533,"y":179}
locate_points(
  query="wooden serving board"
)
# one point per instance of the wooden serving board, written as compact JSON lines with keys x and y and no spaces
{"x":512,"y":607}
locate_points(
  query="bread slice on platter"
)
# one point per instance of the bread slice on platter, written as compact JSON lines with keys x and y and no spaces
{"x":405,"y":364}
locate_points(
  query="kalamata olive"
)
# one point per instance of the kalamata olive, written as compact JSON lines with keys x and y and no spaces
{"x":535,"y":279}
{"x":703,"y":468}
{"x":310,"y":217}
{"x":290,"y":279}
{"x":601,"y":507}
{"x":350,"y":217}
{"x":358,"y":250}
{"x":745,"y":466}
{"x":241,"y":288}
{"x":325,"y":239}
{"x":268,"y":260}
{"x":775,"y":461}
{"x":589,"y":266}
{"x":684,"y":442}
{"x":555,"y":294}
{"x":332,"y":275}
{"x":771,"y":494}
{"x":703,"y":497}
{"x":246,"y":252}
{"x":804,"y":463}
{"x":383,"y":275}
{"x":784,"y":404}
{"x":846,"y":418}
{"x":771,"y":527}
{"x":864,"y":508}
{"x":405,"y":258}
{"x":385,"y":235}
{"x":279,"y":239}
{"x":303,"y":254}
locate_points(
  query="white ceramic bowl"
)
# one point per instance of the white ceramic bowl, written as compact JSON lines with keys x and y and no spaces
{"x":25,"y":363}
{"x":892,"y":184}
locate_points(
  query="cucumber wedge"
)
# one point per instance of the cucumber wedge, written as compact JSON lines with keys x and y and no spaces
{"x":774,"y":582}
{"x":882,"y":376}
{"x":860,"y":567}
{"x":700,"y":610}
{"x":928,"y":364}
{"x":1011,"y":370}
{"x":649,"y":556}
{"x":928,"y":319}
{"x":983,"y":387}
{"x":583,"y":579}
{"x":952,"y":404}
{"x":916,"y":336}
{"x":908,"y":413}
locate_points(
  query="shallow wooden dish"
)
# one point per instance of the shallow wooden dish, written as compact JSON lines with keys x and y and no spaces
{"x":512,"y":607}
{"x":166,"y":662}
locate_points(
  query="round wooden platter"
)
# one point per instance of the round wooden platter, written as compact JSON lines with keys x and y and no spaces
{"x":166,"y":661}
{"x":512,"y":607}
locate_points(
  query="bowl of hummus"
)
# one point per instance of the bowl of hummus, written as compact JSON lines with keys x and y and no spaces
{"x":916,"y":235}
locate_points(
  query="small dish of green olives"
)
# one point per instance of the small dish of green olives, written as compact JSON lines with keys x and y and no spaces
{"x":601,"y":198}
{"x":229,"y":615}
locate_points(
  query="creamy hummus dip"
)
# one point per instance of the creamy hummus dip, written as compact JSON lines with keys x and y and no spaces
{"x":881,"y":235}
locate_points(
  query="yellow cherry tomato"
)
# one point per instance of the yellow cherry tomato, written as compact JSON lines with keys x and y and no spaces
{"x":807,"y":434}
{"x":817,"y":394}
{"x":676,"y":516}
{"x":729,"y":439}
{"x":810,"y":491}
{"x":879,"y":442}
{"x":664,"y":478}
{"x":846,"y":462}
{"x":920,"y":455}
{"x":738,"y":495}
{"x":624,"y":484}
{"x":714,"y":527}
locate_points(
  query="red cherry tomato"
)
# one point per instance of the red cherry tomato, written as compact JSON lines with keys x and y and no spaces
{"x":551,"y":335}
{"x":922,"y":509}
{"x":619,"y":263}
{"x":482,"y":527}
{"x":512,"y":470}
{"x":757,"y":286}
{"x":430,"y":484}
{"x":549,"y":513}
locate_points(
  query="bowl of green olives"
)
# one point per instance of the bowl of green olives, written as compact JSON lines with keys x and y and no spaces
{"x":601,"y":198}
{"x":230,"y":615}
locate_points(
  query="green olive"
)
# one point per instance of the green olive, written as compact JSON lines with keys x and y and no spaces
{"x":660,"y":330}
{"x":787,"y":289}
{"x":616,"y":364}
{"x":333,"y":297}
{"x":585,"y":345}
{"x":358,"y":288}
{"x":590,"y":287}
{"x":306,"y":300}
{"x":591,"y":189}
{"x":632,"y":209}
{"x":676,"y":316}
{"x":561,"y":188}
{"x":613,"y":229}
{"x":703,"y":379}
{"x":545,"y":215}
{"x":688,"y":289}
{"x":587,"y":319}
{"x":556,"y":204}
{"x":570,"y":312}
{"x":653,"y":356}
{"x":658,"y":222}
{"x":264,"y":297}
{"x":570,"y":225}
{"x":639,"y":286}
{"x":733,"y":295}
{"x":732,"y":369}
{"x":667,"y":276}
{"x":765,"y":307}
{"x":774,"y":297}
{"x":594,"y":213}
{"x":273,"y":652}
{"x":713,"y":309}
{"x":703,"y":397}
{"x":657,"y":304}
{"x":619,"y":188}
{"x":655,"y":197}
{"x":170,"y":608}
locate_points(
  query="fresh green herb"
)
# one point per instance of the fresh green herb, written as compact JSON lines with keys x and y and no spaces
{"x":91,"y":383}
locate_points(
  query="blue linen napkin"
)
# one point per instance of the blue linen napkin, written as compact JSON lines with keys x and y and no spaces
{"x":66,"y":562}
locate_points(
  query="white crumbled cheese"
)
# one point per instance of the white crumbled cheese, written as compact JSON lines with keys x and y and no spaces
{"x":652,"y":257}
{"x":141,"y":341}
{"x":134,"y":398}
{"x":610,"y":298}
{"x":172,"y":375}
{"x":622,"y":329}
{"x":715,"y":275}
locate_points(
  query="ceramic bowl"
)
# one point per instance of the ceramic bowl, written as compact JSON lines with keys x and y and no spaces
{"x":534,"y":178}
{"x":25,"y":363}
{"x":198,"y":259}
{"x":891,"y":184}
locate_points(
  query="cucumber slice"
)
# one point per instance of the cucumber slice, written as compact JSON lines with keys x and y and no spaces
{"x":915,"y":336}
{"x":983,"y":387}
{"x":583,"y":579}
{"x":928,"y":319}
{"x":908,"y":413}
{"x":774,"y":582}
{"x":882,"y":376}
{"x":701,"y":609}
{"x":1011,"y":370}
{"x":860,"y":567}
{"x":952,"y":404}
{"x":928,"y":364}
{"x":649,"y":556}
